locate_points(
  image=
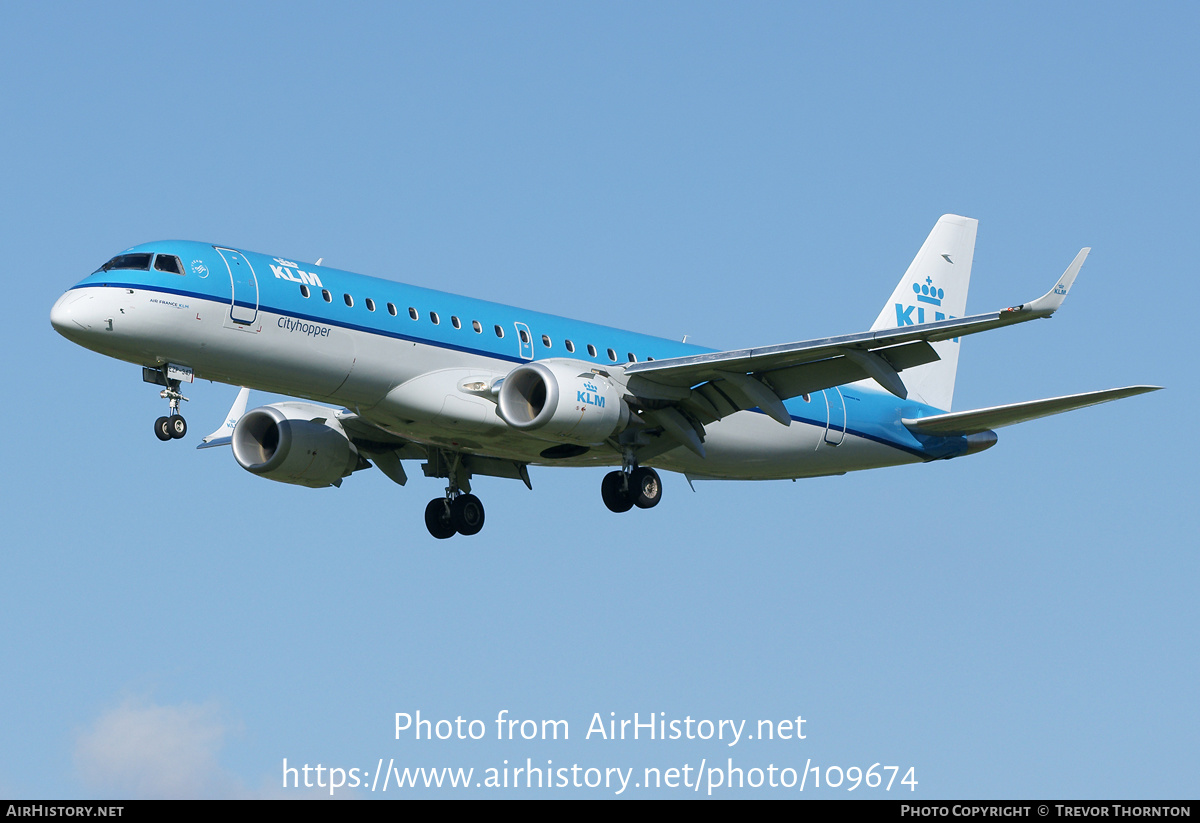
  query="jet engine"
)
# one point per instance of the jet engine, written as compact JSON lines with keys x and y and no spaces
{"x":294,"y":443}
{"x":562,"y":401}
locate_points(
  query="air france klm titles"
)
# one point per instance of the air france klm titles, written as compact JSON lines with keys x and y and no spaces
{"x":284,"y":272}
{"x":589,"y":397}
{"x":658,"y":728}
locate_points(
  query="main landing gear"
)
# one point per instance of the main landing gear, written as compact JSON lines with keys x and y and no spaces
{"x":448,"y":516}
{"x":622,"y":490}
{"x":459,"y":512}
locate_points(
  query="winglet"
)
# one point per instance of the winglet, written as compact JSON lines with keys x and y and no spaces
{"x":1049,"y":302}
{"x":223,"y":436}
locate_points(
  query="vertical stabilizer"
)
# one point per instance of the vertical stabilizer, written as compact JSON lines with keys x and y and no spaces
{"x":934,"y":288}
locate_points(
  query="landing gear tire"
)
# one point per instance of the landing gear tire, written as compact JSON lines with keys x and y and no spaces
{"x":178,"y":428}
{"x":466,"y":514}
{"x":162,"y":428}
{"x":437,"y":519}
{"x":645,"y":487}
{"x":616,"y":496}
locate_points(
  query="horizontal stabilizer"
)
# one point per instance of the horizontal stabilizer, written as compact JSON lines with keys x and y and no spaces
{"x":980,"y":420}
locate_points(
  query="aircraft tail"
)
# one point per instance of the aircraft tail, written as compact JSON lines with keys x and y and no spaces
{"x":934,"y":288}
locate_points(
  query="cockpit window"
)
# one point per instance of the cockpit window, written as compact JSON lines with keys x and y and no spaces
{"x":138,"y":262}
{"x":168,"y":263}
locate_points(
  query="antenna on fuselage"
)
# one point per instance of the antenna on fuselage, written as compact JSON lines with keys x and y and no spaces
{"x":319,"y":259}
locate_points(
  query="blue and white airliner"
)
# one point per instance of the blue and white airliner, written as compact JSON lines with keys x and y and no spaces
{"x":469,"y":387}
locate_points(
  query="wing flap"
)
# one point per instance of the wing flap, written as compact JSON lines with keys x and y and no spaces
{"x":724,"y":392}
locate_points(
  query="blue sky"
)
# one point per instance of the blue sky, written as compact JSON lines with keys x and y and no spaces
{"x":1021,"y":623}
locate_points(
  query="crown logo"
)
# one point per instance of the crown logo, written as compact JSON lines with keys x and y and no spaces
{"x":285,"y":263}
{"x":589,"y":387}
{"x":927,"y":293}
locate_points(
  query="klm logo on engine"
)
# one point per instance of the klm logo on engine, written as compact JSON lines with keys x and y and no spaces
{"x":284,"y":272}
{"x":926,"y":294}
{"x":589,"y":396}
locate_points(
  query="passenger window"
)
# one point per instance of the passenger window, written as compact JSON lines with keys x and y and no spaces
{"x":478,"y":328}
{"x":349,"y":300}
{"x":612,"y":355}
{"x":304,"y":290}
{"x":412,"y":312}
{"x":392,"y":309}
{"x":499,"y":332}
{"x":168,"y":263}
{"x":591,"y":350}
{"x":524,"y":335}
{"x":570,"y":346}
{"x":433,"y":316}
{"x":632,"y":359}
{"x":325,"y":294}
{"x":455,"y":322}
{"x":546,"y":341}
{"x":370,"y":304}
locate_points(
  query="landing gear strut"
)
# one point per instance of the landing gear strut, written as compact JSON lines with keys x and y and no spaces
{"x":634,"y":486}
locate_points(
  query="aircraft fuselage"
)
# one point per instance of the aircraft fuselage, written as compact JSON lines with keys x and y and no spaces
{"x":412,"y":360}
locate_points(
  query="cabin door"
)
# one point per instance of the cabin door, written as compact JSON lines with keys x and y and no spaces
{"x":243,"y":287}
{"x":835,"y":428}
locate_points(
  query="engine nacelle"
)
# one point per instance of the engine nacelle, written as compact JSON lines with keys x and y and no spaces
{"x":294,"y":443}
{"x":562,"y":401}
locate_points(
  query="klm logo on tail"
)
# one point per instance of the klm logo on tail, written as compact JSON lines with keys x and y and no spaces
{"x":929,"y":293}
{"x":926,"y":293}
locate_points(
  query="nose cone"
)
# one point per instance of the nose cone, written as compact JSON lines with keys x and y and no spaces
{"x":68,"y":316}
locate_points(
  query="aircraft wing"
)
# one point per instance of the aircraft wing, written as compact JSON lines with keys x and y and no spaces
{"x":715,"y":385}
{"x":979,"y":420}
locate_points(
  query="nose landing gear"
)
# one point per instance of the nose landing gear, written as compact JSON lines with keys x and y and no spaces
{"x":172,"y":426}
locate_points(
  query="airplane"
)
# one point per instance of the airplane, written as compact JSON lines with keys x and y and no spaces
{"x":470,"y":387}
